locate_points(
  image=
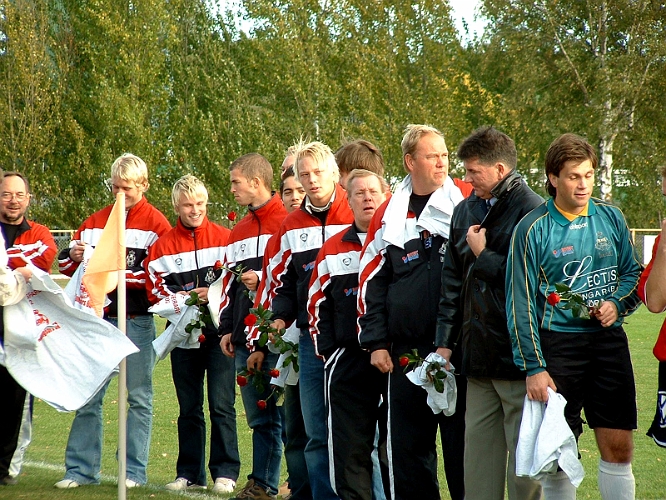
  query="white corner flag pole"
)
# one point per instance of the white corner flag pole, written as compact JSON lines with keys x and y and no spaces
{"x":122,"y":375}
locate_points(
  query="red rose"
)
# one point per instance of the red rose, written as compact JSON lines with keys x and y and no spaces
{"x":250,"y":320}
{"x":274,"y":373}
{"x":202,"y":338}
{"x":404,"y":361}
{"x":217,"y":266}
{"x":241,"y":380}
{"x":553,"y":298}
{"x":231,"y":216}
{"x":261,"y":404}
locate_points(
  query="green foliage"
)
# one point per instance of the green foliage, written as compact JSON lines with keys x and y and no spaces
{"x":594,"y":68}
{"x":179,"y":84}
{"x":260,"y":317}
{"x":435,"y":371}
{"x":570,"y":301}
{"x":203,"y":318}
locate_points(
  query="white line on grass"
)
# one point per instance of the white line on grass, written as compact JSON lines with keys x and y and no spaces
{"x":107,"y":478}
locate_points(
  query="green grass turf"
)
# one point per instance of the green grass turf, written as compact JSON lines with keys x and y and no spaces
{"x":45,"y":457}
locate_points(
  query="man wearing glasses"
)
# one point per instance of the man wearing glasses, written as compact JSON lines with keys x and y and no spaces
{"x":25,"y":241}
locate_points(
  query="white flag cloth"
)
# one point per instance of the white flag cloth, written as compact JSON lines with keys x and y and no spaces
{"x":214,"y":300}
{"x":288,"y":376}
{"x":546,"y":441}
{"x":437,"y":401}
{"x":178,"y":314}
{"x":76,"y":290}
{"x":57,"y":352}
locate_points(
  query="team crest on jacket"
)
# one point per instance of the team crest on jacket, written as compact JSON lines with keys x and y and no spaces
{"x":442,"y":252}
{"x":179,"y":261}
{"x":210,"y":276}
{"x":242,"y":247}
{"x":304,"y":236}
{"x":131,"y":258}
{"x":346,"y":261}
{"x":602,"y":245}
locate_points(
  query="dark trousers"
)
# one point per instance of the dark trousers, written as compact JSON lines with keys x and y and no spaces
{"x":294,"y":449}
{"x":354,"y":388}
{"x":412,"y":438}
{"x":189,"y":368}
{"x":13,"y":398}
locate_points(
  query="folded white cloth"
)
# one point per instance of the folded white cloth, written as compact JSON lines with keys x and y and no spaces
{"x":179,"y":314}
{"x":546,"y":441}
{"x":438,"y":401}
{"x":435,"y":218}
{"x":288,"y":376}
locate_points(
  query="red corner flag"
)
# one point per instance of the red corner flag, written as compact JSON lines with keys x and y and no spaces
{"x":101,"y":275}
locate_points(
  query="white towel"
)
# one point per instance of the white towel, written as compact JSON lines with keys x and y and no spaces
{"x":288,"y":376}
{"x":435,"y":218}
{"x":437,"y":401}
{"x":546,"y":441}
{"x":214,"y":300}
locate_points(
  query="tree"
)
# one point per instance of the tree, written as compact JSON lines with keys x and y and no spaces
{"x":346,"y":69}
{"x":589,"y":67}
{"x":30,"y":92}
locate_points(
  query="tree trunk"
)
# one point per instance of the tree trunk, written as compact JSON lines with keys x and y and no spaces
{"x":606,"y":166}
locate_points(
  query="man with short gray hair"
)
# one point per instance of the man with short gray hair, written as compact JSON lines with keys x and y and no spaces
{"x":472,"y":316}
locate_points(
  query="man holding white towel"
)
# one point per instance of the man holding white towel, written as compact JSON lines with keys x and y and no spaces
{"x":583,"y":243}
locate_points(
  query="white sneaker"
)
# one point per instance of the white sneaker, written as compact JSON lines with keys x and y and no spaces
{"x":131,"y":483}
{"x":66,"y":483}
{"x":224,"y":485}
{"x":182,"y":483}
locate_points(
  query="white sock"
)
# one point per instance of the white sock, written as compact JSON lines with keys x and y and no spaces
{"x":558,"y":487}
{"x":616,"y":481}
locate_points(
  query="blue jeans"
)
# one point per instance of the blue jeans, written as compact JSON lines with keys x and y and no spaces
{"x":84,"y":446}
{"x":266,"y":425}
{"x":189,"y":367}
{"x":377,"y":484}
{"x":311,"y":381}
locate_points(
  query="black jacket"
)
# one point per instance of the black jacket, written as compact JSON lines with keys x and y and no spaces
{"x":472,"y":303}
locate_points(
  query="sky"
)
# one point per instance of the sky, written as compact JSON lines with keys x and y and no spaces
{"x":461,"y":9}
{"x":465,"y":9}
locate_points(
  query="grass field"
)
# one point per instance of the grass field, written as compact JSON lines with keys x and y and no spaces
{"x":45,"y":457}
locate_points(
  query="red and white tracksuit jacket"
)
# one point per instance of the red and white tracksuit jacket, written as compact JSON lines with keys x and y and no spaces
{"x":301,"y":236}
{"x":246,"y":247}
{"x":144,"y":224}
{"x":34,"y":242}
